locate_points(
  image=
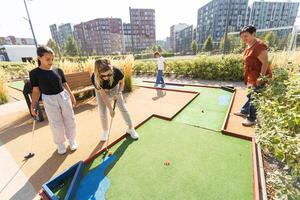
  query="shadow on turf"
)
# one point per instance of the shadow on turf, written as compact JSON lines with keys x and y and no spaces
{"x":119,"y":152}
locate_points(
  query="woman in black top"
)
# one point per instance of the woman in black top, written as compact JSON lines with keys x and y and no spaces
{"x":109,"y":84}
{"x":50,"y":82}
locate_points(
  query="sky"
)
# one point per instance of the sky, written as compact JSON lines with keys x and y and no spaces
{"x":46,"y":12}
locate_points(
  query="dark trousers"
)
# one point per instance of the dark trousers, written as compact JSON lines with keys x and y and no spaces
{"x":248,"y":108}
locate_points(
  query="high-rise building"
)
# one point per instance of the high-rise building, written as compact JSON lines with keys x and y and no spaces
{"x":162,"y":44}
{"x":273,"y":14}
{"x":100,"y":36}
{"x":247,"y":19}
{"x":168,"y":43}
{"x":212,"y":18}
{"x":61,"y":33}
{"x":127,"y":37}
{"x":54,"y":33}
{"x":173,"y":29}
{"x":64,"y":31}
{"x":143,"y":28}
{"x":183,"y":40}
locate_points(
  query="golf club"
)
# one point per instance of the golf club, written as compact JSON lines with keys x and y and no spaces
{"x":107,"y":142}
{"x":31,"y":154}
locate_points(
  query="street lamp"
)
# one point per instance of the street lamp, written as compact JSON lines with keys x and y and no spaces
{"x":30,"y":24}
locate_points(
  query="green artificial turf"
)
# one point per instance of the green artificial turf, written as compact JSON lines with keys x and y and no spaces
{"x":207,"y":110}
{"x":203,"y":165}
{"x":19,"y":85}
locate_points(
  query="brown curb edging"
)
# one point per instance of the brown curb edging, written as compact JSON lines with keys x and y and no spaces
{"x":255,"y":173}
{"x":182,"y":84}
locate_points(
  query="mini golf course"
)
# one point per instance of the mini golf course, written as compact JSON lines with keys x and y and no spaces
{"x":186,"y":157}
{"x":18,"y":85}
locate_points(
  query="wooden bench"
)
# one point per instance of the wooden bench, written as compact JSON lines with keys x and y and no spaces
{"x":78,"y":82}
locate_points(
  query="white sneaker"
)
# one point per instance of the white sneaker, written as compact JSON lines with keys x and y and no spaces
{"x":61,"y":149}
{"x":73,"y":145}
{"x":104,"y":136}
{"x":134,"y":135}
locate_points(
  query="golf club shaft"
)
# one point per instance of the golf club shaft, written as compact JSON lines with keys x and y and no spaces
{"x":33,"y":128}
{"x":111,"y":121}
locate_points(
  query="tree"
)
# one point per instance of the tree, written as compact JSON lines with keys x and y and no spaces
{"x":298,"y":40}
{"x":159,"y":49}
{"x":208,"y":45}
{"x":230,"y":43}
{"x":154,"y":48}
{"x":270,"y":38}
{"x":52,"y":44}
{"x":194,"y":46}
{"x":70,"y":47}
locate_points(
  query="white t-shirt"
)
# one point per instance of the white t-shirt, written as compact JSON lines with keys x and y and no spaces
{"x":160,"y":63}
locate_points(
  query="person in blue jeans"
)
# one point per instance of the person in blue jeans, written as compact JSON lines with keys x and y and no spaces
{"x":256,"y":68}
{"x":160,"y":70}
{"x":248,"y":110}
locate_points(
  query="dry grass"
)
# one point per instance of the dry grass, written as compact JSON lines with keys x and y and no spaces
{"x":69,"y":67}
{"x":3,"y":89}
{"x":88,"y":66}
{"x":127,"y":66}
{"x":280,"y":59}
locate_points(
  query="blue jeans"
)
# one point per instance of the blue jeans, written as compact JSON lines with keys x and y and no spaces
{"x":248,"y":108}
{"x":160,"y":78}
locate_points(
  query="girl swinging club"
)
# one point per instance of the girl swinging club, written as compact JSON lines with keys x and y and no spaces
{"x":109,"y":84}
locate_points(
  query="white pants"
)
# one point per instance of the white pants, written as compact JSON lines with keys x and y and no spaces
{"x":120,"y":103}
{"x":61,"y":116}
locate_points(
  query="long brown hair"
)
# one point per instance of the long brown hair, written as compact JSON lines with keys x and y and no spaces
{"x":41,"y":51}
{"x":101,"y":66}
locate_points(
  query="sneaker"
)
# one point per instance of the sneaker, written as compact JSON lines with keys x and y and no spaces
{"x":240,"y":114}
{"x":134,"y":135}
{"x":104,"y":136}
{"x":73,"y":145}
{"x":163,"y":85}
{"x":61,"y":149}
{"x":247,"y":122}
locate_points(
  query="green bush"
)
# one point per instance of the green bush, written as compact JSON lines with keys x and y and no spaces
{"x":229,"y":68}
{"x":279,"y":129}
{"x":150,"y":55}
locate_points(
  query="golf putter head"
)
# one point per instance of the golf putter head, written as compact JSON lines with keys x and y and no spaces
{"x":30,"y":155}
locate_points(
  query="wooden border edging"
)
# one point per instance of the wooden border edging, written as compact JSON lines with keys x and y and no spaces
{"x":262,"y":179}
{"x":255,"y":173}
